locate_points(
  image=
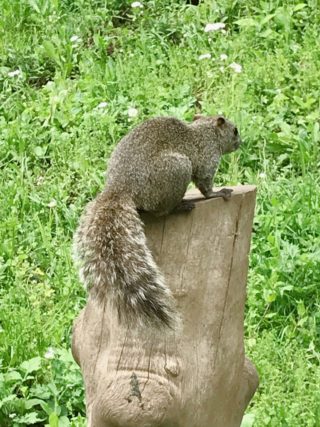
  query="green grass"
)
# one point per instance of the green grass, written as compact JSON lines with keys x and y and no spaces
{"x":55,"y":140}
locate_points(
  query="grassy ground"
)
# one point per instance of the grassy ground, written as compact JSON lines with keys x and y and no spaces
{"x":70,"y":74}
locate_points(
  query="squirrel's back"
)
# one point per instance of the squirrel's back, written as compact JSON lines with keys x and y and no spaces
{"x":130,"y":163}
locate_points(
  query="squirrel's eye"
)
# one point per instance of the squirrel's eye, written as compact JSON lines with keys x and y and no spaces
{"x":236,"y":131}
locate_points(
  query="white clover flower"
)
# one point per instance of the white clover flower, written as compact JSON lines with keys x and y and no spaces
{"x":14,"y":73}
{"x":221,"y":69}
{"x":75,"y":39}
{"x":223,"y":57}
{"x":50,"y":353}
{"x":52,"y":204}
{"x":214,"y":27}
{"x":262,"y":175}
{"x":204,"y":56}
{"x":40,"y":180}
{"x":136,"y":4}
{"x":132,"y":112}
{"x":237,"y":68}
{"x":102,"y":104}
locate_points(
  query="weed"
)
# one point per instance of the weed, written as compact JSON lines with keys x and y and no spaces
{"x":74,"y":78}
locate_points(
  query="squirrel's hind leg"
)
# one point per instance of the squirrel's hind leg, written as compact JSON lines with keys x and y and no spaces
{"x":170,"y":177}
{"x":184,"y":206}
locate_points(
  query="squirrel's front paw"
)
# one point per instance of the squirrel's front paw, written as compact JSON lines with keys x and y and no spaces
{"x":226,"y":193}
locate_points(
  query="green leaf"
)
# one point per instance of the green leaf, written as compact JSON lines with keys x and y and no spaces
{"x":54,"y":420}
{"x":285,"y":288}
{"x":248,"y":420}
{"x":64,"y":422}
{"x":266,"y":19}
{"x":33,"y":402}
{"x":270,"y":315}
{"x":34,"y":5}
{"x":53,"y":388}
{"x":299,"y":7}
{"x":267,"y":33}
{"x":270,"y":296}
{"x":50,"y":50}
{"x":10,"y":398}
{"x":247,"y":22}
{"x":29,"y":419}
{"x":39,"y":151}
{"x":48,"y":407}
{"x":301,"y":308}
{"x":12,"y":376}
{"x":31,"y":365}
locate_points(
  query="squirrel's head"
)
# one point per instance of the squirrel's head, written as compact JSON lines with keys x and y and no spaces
{"x":228,"y":134}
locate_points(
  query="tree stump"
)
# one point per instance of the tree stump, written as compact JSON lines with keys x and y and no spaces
{"x":198,"y":375}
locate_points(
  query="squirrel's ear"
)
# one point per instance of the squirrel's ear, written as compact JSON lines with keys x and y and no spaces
{"x":197,"y":117}
{"x":220,"y":121}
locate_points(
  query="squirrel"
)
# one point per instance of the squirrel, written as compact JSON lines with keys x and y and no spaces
{"x":149,"y":170}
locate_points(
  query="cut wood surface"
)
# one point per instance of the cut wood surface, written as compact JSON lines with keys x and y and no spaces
{"x":196,"y":376}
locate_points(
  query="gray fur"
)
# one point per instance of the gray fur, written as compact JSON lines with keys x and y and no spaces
{"x":150,"y":169}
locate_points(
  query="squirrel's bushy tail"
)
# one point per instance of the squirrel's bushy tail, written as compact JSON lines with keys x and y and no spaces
{"x":116,"y":264}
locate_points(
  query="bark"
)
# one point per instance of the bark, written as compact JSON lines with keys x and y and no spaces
{"x":198,"y":375}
